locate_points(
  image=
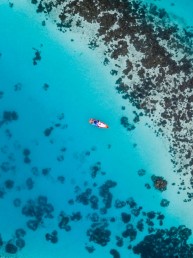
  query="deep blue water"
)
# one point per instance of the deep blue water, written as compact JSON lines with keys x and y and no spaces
{"x":57,"y":96}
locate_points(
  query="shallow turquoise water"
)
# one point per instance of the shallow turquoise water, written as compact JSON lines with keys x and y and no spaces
{"x":79,"y":88}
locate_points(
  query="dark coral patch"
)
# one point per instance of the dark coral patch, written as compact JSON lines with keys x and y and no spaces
{"x":1,"y":241}
{"x":107,"y":197}
{"x":33,"y":224}
{"x":89,"y":248}
{"x":53,"y":237}
{"x":95,"y":169}
{"x":125,"y":217}
{"x":46,"y":171}
{"x":64,"y":222}
{"x":166,"y":243}
{"x":38,"y":210}
{"x":159,"y":183}
{"x":61,"y":179}
{"x":17,"y":202}
{"x":84,"y":197}
{"x":99,"y":234}
{"x":20,"y":243}
{"x":29,"y":183}
{"x":1,"y":92}
{"x":126,"y":124}
{"x":115,"y":253}
{"x":9,"y":184}
{"x":9,"y":116}
{"x":26,"y":152}
{"x":130,"y":232}
{"x":46,"y":86}
{"x":164,"y":203}
{"x":37,"y":56}
{"x":17,"y":86}
{"x":48,"y":131}
{"x":76,"y":216}
{"x":11,"y":248}
{"x":27,"y":160}
{"x":20,"y":232}
{"x":141,"y":172}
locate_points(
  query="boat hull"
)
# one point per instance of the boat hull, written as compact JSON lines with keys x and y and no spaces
{"x":99,"y":124}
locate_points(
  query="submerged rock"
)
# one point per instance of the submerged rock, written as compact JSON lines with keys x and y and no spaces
{"x":48,"y":131}
{"x":159,"y":183}
{"x":166,"y":243}
{"x":164,"y":203}
{"x":32,"y":224}
{"x":37,"y":57}
{"x":17,"y":202}
{"x":27,"y":160}
{"x":115,"y":253}
{"x":20,"y":232}
{"x":141,"y":172}
{"x":9,"y":116}
{"x":90,"y":249}
{"x":39,"y":210}
{"x":29,"y":183}
{"x":95,"y":169}
{"x":119,"y":241}
{"x":130,"y":232}
{"x":76,"y":216}
{"x":119,"y":204}
{"x":26,"y":152}
{"x":20,"y":243}
{"x":53,"y":237}
{"x":9,"y":184}
{"x":11,"y":248}
{"x":126,"y":124}
{"x":107,"y":197}
{"x":99,"y":234}
{"x":125,"y":217}
{"x":1,"y":241}
{"x":64,"y":222}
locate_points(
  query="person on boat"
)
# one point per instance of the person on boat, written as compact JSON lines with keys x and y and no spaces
{"x":96,"y":122}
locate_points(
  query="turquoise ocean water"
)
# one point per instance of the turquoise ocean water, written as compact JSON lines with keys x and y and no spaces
{"x":49,"y":150}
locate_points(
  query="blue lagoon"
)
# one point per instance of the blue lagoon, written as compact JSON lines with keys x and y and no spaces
{"x":69,"y":189}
